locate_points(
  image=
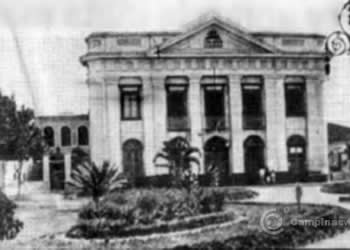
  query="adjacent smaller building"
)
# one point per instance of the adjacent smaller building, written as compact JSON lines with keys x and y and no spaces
{"x":67,"y":136}
{"x":338,"y":151}
{"x":66,"y":131}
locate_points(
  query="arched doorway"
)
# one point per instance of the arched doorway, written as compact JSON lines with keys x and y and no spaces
{"x":254,"y":158}
{"x":133,"y":160}
{"x":297,"y":157}
{"x":57,"y":170}
{"x":216,"y":160}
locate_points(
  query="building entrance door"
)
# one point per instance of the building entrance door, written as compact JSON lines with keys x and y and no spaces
{"x":216,"y":160}
{"x":57,"y":171}
{"x":297,"y":158}
{"x":254,"y":158}
{"x":133,"y":160}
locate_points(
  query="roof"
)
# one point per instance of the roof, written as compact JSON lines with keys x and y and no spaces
{"x":287,"y":34}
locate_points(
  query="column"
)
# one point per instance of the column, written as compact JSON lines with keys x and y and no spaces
{"x":237,"y":153}
{"x":159,"y":119}
{"x":275,"y":124}
{"x":148,"y":125}
{"x":316,"y":126}
{"x":195,"y":114}
{"x":96,"y":119}
{"x":46,"y":171}
{"x":113,"y":141}
{"x":67,"y":166}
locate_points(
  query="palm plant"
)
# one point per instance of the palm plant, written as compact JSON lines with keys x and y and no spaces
{"x":96,"y":181}
{"x":180,"y":157}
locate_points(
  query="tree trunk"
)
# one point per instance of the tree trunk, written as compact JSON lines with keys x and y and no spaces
{"x":2,"y":176}
{"x":19,"y":178}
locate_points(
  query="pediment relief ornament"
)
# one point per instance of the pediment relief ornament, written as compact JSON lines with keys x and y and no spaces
{"x":217,"y":36}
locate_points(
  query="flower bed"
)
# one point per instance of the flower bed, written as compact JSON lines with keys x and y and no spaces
{"x":290,"y":237}
{"x":142,"y":211}
{"x":87,"y":228}
{"x":128,"y":212}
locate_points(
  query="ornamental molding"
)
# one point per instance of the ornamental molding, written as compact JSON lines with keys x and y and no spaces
{"x":202,"y":64}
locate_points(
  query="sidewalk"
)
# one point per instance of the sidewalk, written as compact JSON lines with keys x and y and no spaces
{"x":311,"y":194}
{"x":43,"y":212}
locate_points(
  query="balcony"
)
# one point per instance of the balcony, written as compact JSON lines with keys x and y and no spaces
{"x":254,"y":122}
{"x":178,"y":123}
{"x":215,"y":123}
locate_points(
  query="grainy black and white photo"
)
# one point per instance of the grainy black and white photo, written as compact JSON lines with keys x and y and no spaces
{"x":174,"y":124}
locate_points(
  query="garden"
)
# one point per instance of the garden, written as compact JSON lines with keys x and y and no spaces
{"x":183,"y":215}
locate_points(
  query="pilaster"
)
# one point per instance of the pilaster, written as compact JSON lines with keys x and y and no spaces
{"x":237,"y":159}
{"x":195,"y":113}
{"x":276,"y":140}
{"x":316,"y":126}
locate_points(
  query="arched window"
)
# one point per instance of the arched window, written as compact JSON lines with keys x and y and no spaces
{"x":66,"y":136}
{"x":212,"y":40}
{"x":83,"y":136}
{"x":49,"y":136}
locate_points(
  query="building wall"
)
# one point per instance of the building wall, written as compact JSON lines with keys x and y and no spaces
{"x":72,"y":122}
{"x":107,"y":141}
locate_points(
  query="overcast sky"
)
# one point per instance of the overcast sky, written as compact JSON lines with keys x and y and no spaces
{"x":51,"y":36}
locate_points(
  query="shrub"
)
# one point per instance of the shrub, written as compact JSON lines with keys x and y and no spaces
{"x":102,"y":228}
{"x":181,"y":158}
{"x":336,"y":188}
{"x":148,"y":207}
{"x":9,"y":226}
{"x":96,"y":181}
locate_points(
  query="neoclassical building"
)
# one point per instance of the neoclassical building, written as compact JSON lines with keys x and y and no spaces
{"x":246,"y":99}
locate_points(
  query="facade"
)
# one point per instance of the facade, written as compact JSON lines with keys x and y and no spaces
{"x":66,"y":131}
{"x":68,"y":139}
{"x":247,"y":99}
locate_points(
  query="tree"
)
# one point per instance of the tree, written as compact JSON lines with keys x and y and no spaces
{"x":180,"y":156}
{"x":9,"y":225}
{"x":21,"y":137}
{"x":96,"y":181}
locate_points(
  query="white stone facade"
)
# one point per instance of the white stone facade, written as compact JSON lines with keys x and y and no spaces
{"x":114,"y":60}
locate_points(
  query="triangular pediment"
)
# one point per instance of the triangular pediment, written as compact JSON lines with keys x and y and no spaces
{"x":215,"y":36}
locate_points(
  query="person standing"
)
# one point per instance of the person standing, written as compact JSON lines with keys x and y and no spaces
{"x":262,"y":175}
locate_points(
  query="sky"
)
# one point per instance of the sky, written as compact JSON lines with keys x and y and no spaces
{"x":50,"y":35}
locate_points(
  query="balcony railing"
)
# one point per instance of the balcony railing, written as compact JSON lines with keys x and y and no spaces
{"x":215,"y":123}
{"x":255,"y":122}
{"x":178,"y":123}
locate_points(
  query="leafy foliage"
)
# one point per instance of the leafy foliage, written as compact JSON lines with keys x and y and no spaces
{"x":9,"y":226}
{"x":180,"y":156}
{"x":138,"y":208}
{"x":96,"y":181}
{"x":20,"y":137}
